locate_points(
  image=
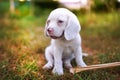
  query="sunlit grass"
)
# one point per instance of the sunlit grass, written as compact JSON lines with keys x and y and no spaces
{"x":100,"y":19}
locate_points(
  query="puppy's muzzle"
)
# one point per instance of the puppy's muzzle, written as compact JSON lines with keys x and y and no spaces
{"x":50,"y":31}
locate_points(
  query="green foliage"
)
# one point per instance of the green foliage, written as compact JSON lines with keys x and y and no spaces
{"x":42,"y":4}
{"x":99,"y":5}
{"x":104,"y":5}
{"x":22,"y":9}
{"x":4,"y":7}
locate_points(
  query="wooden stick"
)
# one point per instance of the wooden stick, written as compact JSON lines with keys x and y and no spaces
{"x":91,"y":67}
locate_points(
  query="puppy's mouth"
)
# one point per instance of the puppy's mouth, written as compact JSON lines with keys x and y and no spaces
{"x":54,"y":37}
{"x":57,"y":37}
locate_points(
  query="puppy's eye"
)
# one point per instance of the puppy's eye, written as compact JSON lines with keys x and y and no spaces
{"x":60,"y":21}
{"x":48,"y":22}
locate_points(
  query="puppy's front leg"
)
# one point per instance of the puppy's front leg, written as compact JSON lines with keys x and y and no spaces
{"x":78,"y":57}
{"x":58,"y":67}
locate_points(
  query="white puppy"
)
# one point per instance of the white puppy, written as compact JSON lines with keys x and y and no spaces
{"x":63,"y":27}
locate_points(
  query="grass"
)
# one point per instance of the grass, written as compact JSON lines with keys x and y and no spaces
{"x":22,"y":44}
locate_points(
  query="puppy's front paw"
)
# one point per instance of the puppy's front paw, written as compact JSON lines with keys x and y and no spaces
{"x":82,"y":65}
{"x":57,"y":71}
{"x":48,"y":66}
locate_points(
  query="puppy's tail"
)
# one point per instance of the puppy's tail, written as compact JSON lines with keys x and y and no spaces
{"x":85,"y":54}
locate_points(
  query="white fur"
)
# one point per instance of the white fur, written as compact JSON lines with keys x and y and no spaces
{"x":66,"y":43}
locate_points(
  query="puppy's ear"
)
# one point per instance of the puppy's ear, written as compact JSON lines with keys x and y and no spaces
{"x":72,"y":28}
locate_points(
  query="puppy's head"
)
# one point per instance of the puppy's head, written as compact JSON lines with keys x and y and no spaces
{"x":62,"y":23}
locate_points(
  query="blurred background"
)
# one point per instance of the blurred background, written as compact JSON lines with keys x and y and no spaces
{"x":22,"y":40}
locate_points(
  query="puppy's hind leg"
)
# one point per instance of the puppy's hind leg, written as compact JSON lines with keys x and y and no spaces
{"x":49,"y":58}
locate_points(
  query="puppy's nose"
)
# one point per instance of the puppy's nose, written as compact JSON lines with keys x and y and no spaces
{"x":50,"y":30}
